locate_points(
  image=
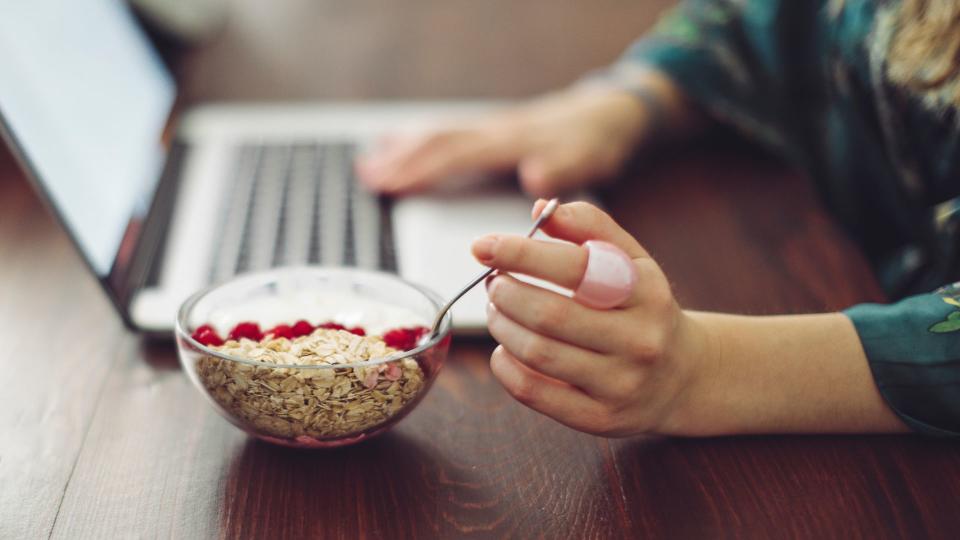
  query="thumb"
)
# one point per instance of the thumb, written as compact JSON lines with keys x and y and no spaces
{"x":580,"y":221}
{"x":546,"y":176}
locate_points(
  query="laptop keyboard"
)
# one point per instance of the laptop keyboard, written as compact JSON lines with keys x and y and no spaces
{"x":300,"y":204}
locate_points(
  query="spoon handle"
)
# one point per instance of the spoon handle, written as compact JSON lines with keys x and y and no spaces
{"x":548,"y":211}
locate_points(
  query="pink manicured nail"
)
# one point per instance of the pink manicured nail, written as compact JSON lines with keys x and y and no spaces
{"x":609,"y":278}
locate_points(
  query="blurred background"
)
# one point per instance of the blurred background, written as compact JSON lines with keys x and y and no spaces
{"x":366,"y":49}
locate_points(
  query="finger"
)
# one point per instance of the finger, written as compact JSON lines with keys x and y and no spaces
{"x":579,"y":221}
{"x":548,"y":176}
{"x":440,"y":155}
{"x":553,"y":315}
{"x":482,"y":149}
{"x":556,"y":399}
{"x":559,"y":263}
{"x":573,"y":365}
{"x":392,"y":168}
{"x":373,"y":166}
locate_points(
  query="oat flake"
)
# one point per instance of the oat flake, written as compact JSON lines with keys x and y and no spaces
{"x":318,"y":403}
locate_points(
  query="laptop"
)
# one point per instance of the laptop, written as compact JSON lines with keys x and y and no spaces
{"x":159,"y":209}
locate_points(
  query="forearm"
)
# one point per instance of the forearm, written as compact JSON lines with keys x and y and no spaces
{"x":782,"y":374}
{"x":647,"y":100}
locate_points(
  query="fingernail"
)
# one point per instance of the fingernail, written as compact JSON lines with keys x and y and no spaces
{"x":483,"y":248}
{"x":538,"y":208}
{"x":365,"y":171}
{"x":489,"y":280}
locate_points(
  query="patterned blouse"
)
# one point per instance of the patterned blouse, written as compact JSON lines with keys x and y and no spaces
{"x":807,"y":79}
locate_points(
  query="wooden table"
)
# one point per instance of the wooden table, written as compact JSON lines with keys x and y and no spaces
{"x":103,"y":436}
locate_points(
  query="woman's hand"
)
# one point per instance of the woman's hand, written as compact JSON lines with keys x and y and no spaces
{"x":612,"y":372}
{"x":556,"y":143}
{"x":647,"y":366}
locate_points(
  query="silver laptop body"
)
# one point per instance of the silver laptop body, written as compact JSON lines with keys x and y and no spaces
{"x":239,"y":187}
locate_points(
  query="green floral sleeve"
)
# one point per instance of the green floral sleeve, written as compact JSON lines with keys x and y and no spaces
{"x":805,"y":78}
{"x":748,"y":63}
{"x":913,"y":347}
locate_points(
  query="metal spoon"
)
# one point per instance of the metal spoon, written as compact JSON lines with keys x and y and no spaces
{"x":548,"y":211}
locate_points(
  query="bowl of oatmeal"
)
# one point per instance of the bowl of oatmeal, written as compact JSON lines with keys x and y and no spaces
{"x":312,"y":357}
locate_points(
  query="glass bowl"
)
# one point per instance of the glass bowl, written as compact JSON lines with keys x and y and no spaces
{"x":313,"y":406}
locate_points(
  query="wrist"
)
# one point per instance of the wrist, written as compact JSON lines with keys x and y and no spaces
{"x":633,"y":120}
{"x":666,"y":110}
{"x":778,"y":374}
{"x":697,"y":358}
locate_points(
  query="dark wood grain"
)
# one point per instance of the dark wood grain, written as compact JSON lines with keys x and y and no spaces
{"x":103,"y":437}
{"x":797,"y":487}
{"x":458,"y":465}
{"x":741,"y":235}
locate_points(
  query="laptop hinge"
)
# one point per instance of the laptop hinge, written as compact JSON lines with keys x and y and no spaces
{"x":148,"y":256}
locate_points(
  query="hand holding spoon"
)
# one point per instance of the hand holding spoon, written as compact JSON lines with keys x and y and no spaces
{"x":548,"y":211}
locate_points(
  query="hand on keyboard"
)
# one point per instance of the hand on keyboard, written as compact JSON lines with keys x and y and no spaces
{"x":557,"y":143}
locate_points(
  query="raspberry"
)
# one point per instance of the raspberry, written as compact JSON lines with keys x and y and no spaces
{"x":301,"y":328}
{"x":282,"y":331}
{"x":206,"y":335}
{"x":249,"y":330}
{"x":395,"y":338}
{"x":330,"y":325}
{"x":357,"y":330}
{"x":404,"y":339}
{"x":204,"y":328}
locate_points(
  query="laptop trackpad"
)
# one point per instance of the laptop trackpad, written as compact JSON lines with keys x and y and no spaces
{"x":433,"y":233}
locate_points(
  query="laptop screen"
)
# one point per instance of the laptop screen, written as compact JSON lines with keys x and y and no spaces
{"x":85,"y":99}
